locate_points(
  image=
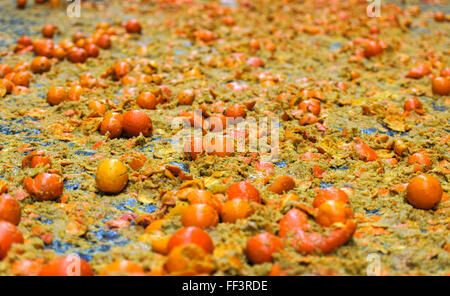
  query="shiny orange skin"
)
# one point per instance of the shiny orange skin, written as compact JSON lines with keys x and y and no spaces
{"x":255,"y":44}
{"x":270,"y":46}
{"x":277,"y":271}
{"x":228,"y":20}
{"x":111,"y":176}
{"x":147,"y":100}
{"x":4,"y":70}
{"x":365,"y":152}
{"x":66,"y":44}
{"x":80,"y":43}
{"x":235,"y":209}
{"x":235,"y":111}
{"x":155,"y":225}
{"x":295,"y":226}
{"x":441,"y":86}
{"x":261,"y":247}
{"x":122,"y":267}
{"x":77,"y":55}
{"x":258,"y":62}
{"x":21,"y":66}
{"x":282,"y":185}
{"x":92,"y":50}
{"x":90,"y":40}
{"x":333,"y":211}
{"x":44,"y":186}
{"x":372,"y":48}
{"x":189,"y":260}
{"x":191,"y":235}
{"x":374,"y":30}
{"x":391,"y":161}
{"x":75,"y":92}
{"x":7,"y":84}
{"x":186,"y":97}
{"x":112,"y":123}
{"x":293,"y":221}
{"x":330,"y":193}
{"x":97,"y":108}
{"x":200,"y":215}
{"x":217,"y":122}
{"x":307,"y":119}
{"x":25,"y":40}
{"x":9,"y":234}
{"x":21,"y":4}
{"x":103,"y":41}
{"x":418,"y":72}
{"x":133,"y":26}
{"x":58,"y":52}
{"x":43,"y":47}
{"x":197,"y":196}
{"x":193,"y":147}
{"x":120,"y":69}
{"x":424,"y":192}
{"x":40,"y":160}
{"x":56,"y":95}
{"x":421,"y":160}
{"x":10,"y":209}
{"x":205,"y":35}
{"x":48,"y":30}
{"x":127,"y":80}
{"x":4,"y":186}
{"x":78,"y":36}
{"x":244,"y":190}
{"x":88,"y":80}
{"x":135,"y":160}
{"x":445,"y":72}
{"x":136,"y":122}
{"x":40,"y":65}
{"x":311,"y":105}
{"x":412,"y":104}
{"x":35,"y":158}
{"x":26,"y":267}
{"x":159,"y":243}
{"x":66,"y":266}
{"x":21,"y":78}
{"x":9,"y":76}
{"x":439,"y":16}
{"x":287,"y":198}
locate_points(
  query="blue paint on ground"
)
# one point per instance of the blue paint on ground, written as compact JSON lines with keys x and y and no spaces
{"x":84,"y":153}
{"x":281,"y":164}
{"x":44,"y":221}
{"x":183,"y":166}
{"x":373,"y":212}
{"x":133,"y":203}
{"x":324,"y":185}
{"x":71,"y":185}
{"x":335,"y":46}
{"x":342,"y":168}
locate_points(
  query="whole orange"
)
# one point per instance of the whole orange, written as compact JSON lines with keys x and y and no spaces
{"x":424,"y":192}
{"x":111,"y":176}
